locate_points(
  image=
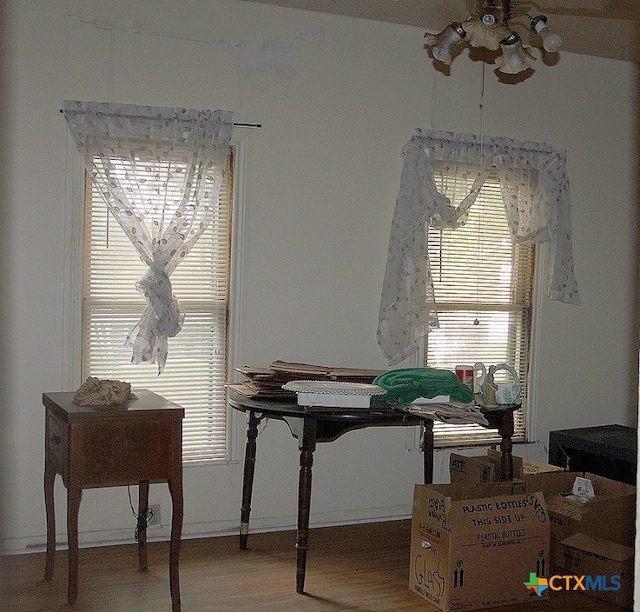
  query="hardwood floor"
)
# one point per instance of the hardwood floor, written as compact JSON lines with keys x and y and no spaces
{"x":355,"y":567}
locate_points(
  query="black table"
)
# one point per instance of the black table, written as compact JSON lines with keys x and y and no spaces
{"x":310,"y":425}
{"x":606,"y":450}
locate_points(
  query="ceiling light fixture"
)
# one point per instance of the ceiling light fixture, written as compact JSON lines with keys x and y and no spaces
{"x":490,"y":26}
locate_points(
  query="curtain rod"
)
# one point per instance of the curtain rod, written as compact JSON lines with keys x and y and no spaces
{"x":533,"y":147}
{"x":249,"y":125}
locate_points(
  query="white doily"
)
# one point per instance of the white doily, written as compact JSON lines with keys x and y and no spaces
{"x":333,"y":387}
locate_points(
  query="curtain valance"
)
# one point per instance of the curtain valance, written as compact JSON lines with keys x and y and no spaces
{"x":535,"y":193}
{"x":160,"y":171}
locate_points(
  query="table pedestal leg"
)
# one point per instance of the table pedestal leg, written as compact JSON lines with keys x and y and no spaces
{"x":427,"y":449}
{"x":304,"y":499}
{"x":143,"y":508}
{"x":247,"y":481}
{"x":504,"y":423}
{"x":506,"y":430}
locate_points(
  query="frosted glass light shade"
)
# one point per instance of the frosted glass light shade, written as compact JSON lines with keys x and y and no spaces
{"x":442,"y":44}
{"x":515,"y":58}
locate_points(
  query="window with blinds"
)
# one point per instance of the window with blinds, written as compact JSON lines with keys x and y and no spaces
{"x":483,"y":287}
{"x":195,"y":373}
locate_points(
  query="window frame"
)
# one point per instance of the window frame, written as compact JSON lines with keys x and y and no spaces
{"x":539,"y":280}
{"x":71,"y":345}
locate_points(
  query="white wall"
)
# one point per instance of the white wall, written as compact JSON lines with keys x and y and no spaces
{"x":337,"y":98}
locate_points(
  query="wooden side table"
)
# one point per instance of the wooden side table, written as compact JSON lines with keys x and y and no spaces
{"x":137,"y":443}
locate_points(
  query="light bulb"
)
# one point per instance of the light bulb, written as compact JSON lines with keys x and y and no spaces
{"x":550,"y":40}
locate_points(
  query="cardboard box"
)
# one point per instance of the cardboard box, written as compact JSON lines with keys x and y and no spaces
{"x":474,"y":546}
{"x":606,"y":566}
{"x":471,"y":469}
{"x":531,"y":466}
{"x":611,"y":514}
{"x":485,"y":468}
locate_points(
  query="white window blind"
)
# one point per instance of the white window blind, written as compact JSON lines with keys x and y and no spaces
{"x":483,"y":287}
{"x":196,"y":371}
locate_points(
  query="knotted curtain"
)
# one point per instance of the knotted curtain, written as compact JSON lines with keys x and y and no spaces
{"x":160,"y":171}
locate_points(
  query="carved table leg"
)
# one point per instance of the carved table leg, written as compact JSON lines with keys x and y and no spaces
{"x":74,"y":496}
{"x":175,"y":489}
{"x":304,"y":499}
{"x":247,"y":482}
{"x":143,"y":508}
{"x":49,"y":479}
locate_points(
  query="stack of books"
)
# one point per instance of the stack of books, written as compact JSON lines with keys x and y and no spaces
{"x":267,"y":382}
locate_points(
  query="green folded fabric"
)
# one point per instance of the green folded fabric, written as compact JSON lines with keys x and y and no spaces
{"x":406,"y":384}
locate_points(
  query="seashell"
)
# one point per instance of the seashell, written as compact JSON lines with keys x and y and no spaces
{"x":96,"y":392}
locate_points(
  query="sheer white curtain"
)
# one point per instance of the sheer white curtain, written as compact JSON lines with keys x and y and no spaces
{"x":160,"y":172}
{"x":535,"y":193}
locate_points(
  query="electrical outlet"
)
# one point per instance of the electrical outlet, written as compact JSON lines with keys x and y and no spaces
{"x":155,"y":518}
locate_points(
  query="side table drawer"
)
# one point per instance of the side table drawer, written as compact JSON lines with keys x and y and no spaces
{"x":57,"y":445}
{"x":114,"y":450}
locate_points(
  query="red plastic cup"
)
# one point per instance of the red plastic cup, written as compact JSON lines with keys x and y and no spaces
{"x":465,"y":375}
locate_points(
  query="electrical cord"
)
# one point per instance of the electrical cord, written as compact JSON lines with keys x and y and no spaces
{"x":142,"y":519}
